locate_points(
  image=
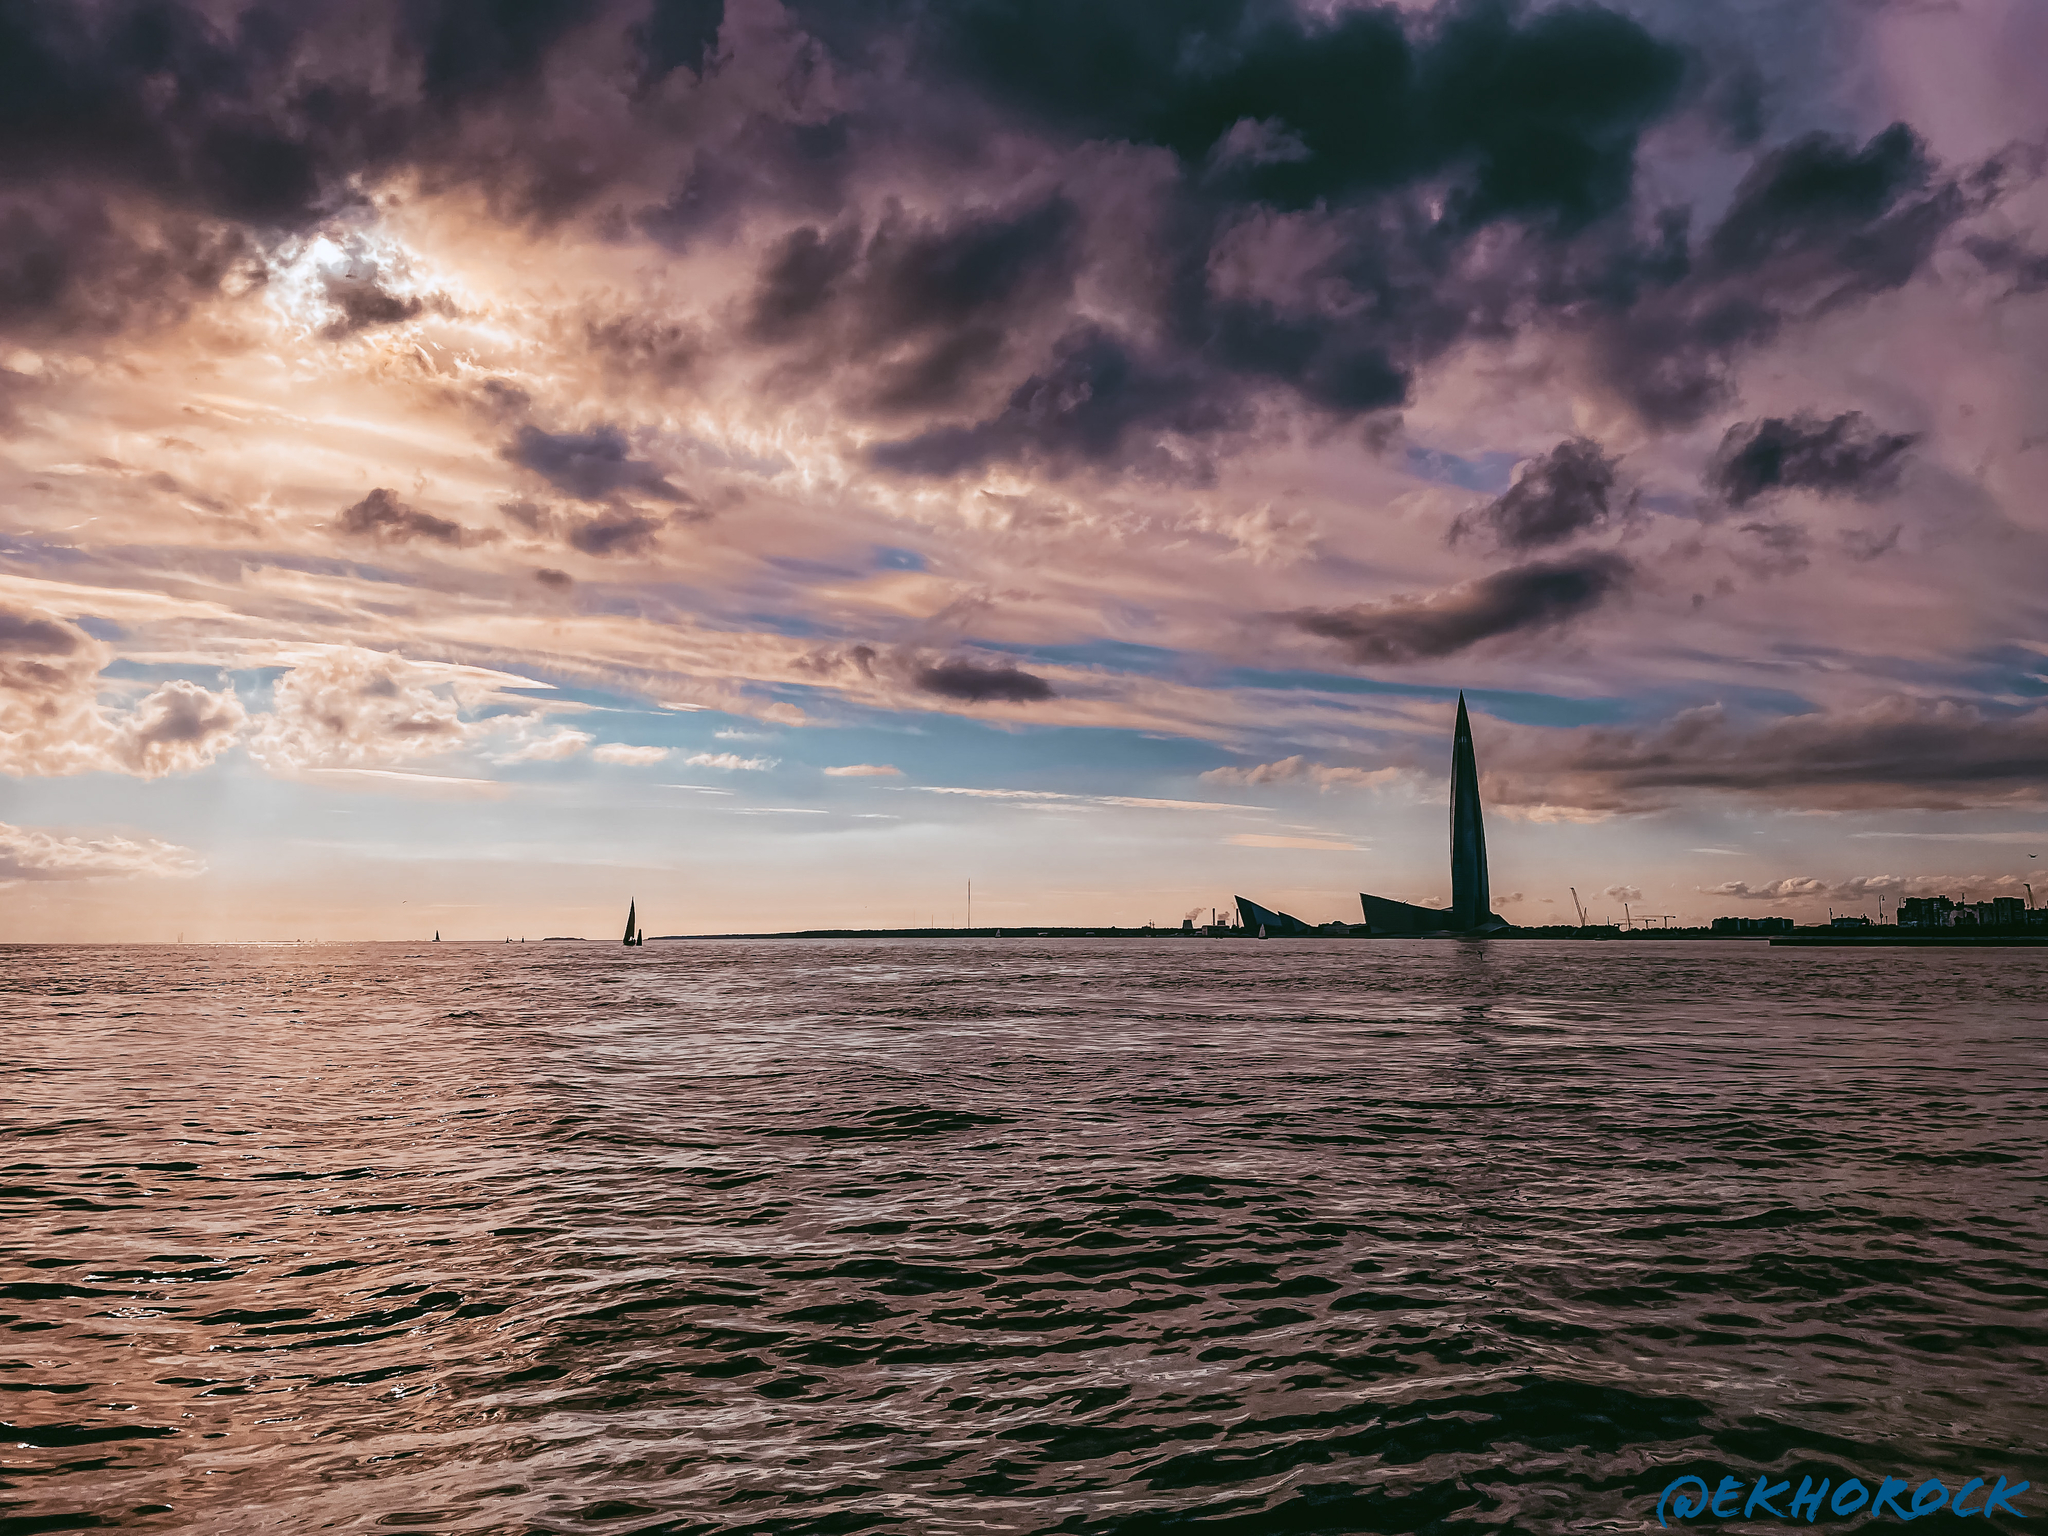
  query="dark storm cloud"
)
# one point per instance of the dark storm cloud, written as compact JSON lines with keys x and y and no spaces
{"x":1845,"y":456}
{"x":799,"y":280}
{"x":1099,"y":402}
{"x":678,"y":34}
{"x":929,"y":303}
{"x":1526,"y":598}
{"x":1816,"y":224}
{"x":925,"y":274}
{"x":559,"y":581}
{"x":1780,"y":548}
{"x":1896,"y":753}
{"x":21,"y":635}
{"x":1474,"y":166}
{"x":1533,"y":114}
{"x":364,"y":303}
{"x":2027,"y":269}
{"x":1345,"y":369}
{"x":1414,"y":141}
{"x":592,"y":466}
{"x":187,"y":125}
{"x":1529,"y":117}
{"x":648,"y":345}
{"x":529,"y":515}
{"x":148,"y":148}
{"x":977,"y":684}
{"x":614,"y":533}
{"x":381,"y":515}
{"x":949,"y":677}
{"x":1819,"y":193}
{"x":160,"y":98}
{"x":1558,"y":497}
{"x":767,"y":163}
{"x":1863,"y":544}
{"x":72,"y":267}
{"x":472,"y":48}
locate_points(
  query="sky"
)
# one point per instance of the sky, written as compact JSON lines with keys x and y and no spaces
{"x":468,"y":464}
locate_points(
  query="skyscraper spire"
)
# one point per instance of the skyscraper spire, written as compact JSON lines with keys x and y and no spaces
{"x":1471,"y":908}
{"x":1471,"y":900}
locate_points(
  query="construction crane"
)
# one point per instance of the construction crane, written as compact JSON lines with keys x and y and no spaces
{"x":1577,"y":905}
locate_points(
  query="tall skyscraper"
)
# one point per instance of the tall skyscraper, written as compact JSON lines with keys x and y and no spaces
{"x":1471,"y":908}
{"x":1471,"y":896}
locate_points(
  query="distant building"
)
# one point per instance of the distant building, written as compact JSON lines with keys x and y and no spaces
{"x":2009,"y":910}
{"x":1927,"y":912}
{"x":1265,"y":921}
{"x":1752,"y":925}
{"x":1848,"y":922}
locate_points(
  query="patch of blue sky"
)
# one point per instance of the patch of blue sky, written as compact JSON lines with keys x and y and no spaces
{"x":618,"y":603}
{"x":185,"y":808}
{"x":230,"y":564}
{"x":1518,"y":708}
{"x":38,"y":552}
{"x":546,"y":690}
{"x":793,"y":625}
{"x":889,"y":557}
{"x":2002,"y":671}
{"x":120,"y":669}
{"x":939,"y":748}
{"x":1676,"y":504}
{"x":99,"y":628}
{"x":808,"y":570}
{"x":1111,"y":655}
{"x":1488,"y":473}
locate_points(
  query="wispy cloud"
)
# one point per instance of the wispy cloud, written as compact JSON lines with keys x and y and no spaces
{"x":619,"y":752}
{"x":864,"y":771}
{"x":730,"y":762}
{"x":554,"y":748}
{"x":1299,"y":770}
{"x":1321,"y":844}
{"x":1136,"y":801}
{"x":396,"y":780}
{"x":32,"y":854}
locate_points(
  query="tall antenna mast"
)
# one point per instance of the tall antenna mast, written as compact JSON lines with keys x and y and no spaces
{"x":970,"y":904}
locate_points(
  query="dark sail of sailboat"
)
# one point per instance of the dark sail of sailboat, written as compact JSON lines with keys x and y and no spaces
{"x":632,"y":923}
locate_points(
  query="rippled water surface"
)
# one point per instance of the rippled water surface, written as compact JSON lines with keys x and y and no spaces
{"x":1022,"y":1235}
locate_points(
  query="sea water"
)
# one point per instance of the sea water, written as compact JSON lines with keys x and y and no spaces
{"x":1015,"y":1235}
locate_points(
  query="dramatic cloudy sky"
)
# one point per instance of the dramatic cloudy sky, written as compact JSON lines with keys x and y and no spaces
{"x":466,"y":463}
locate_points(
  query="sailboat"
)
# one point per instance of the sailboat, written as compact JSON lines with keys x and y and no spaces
{"x":437,"y":935}
{"x":633,"y":934}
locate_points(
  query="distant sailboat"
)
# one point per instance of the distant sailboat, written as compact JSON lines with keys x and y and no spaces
{"x":437,"y":935}
{"x":633,"y":934}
